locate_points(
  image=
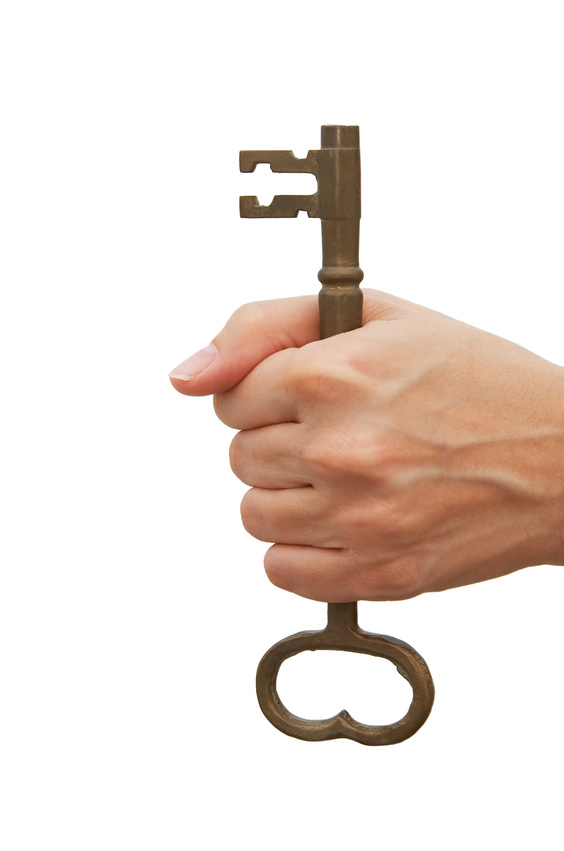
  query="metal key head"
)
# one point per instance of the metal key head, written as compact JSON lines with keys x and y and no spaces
{"x":343,"y":633}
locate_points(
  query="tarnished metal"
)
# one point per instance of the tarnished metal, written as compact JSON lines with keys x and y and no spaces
{"x":343,"y":633}
{"x":337,"y":203}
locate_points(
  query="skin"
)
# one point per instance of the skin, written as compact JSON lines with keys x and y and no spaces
{"x":415,"y":454}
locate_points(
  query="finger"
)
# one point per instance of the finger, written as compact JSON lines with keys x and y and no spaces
{"x":269,"y":457}
{"x":320,"y":374}
{"x":341,"y":575}
{"x":312,"y":572}
{"x":267,"y":396}
{"x":254,"y":332}
{"x":258,"y":330}
{"x":289,"y":516}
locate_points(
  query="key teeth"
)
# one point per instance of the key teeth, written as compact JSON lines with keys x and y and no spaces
{"x":283,"y":162}
{"x":248,"y":205}
{"x":281,"y":207}
{"x":247,"y":163}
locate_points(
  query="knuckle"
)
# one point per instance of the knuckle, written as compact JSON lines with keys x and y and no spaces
{"x":218,"y":404}
{"x":237,"y":457}
{"x":221,"y":408}
{"x":315,"y":454}
{"x":253,"y":518}
{"x":249,"y":314}
{"x":406,"y":521}
{"x":333,"y":369}
{"x":311,"y":375}
{"x":400,"y":579}
{"x":287,"y":573}
{"x":361,"y":521}
{"x":274,"y":569}
{"x":326,"y":453}
{"x":249,"y":514}
{"x":365,"y":454}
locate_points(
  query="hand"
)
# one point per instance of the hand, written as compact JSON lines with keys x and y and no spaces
{"x":414,"y":454}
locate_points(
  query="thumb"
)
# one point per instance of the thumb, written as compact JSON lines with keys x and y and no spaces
{"x":254,"y":332}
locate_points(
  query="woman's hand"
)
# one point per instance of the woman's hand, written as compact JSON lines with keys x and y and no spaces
{"x":414,"y":454}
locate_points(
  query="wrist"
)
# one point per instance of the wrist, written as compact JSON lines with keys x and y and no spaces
{"x":556,"y":549}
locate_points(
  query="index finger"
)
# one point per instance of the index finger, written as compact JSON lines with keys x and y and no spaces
{"x":264,"y":397}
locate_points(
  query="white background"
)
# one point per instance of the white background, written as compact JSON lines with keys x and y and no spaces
{"x":133,"y":606}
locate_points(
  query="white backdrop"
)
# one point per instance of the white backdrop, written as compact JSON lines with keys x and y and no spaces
{"x":133,"y":606}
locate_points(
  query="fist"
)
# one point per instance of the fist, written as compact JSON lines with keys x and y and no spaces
{"x":414,"y":454}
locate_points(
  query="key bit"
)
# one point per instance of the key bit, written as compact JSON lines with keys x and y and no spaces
{"x":282,"y":206}
{"x":336,"y":165}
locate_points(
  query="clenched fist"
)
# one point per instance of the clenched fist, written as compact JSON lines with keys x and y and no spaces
{"x":414,"y":454}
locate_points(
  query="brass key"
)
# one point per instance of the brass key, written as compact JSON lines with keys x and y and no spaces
{"x":337,"y":203}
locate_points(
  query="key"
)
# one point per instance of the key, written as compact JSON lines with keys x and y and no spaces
{"x":336,"y":165}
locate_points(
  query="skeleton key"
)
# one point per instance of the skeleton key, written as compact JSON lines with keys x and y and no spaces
{"x":337,"y":203}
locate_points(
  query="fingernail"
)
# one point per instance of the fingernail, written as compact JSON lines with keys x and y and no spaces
{"x":195,"y":364}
